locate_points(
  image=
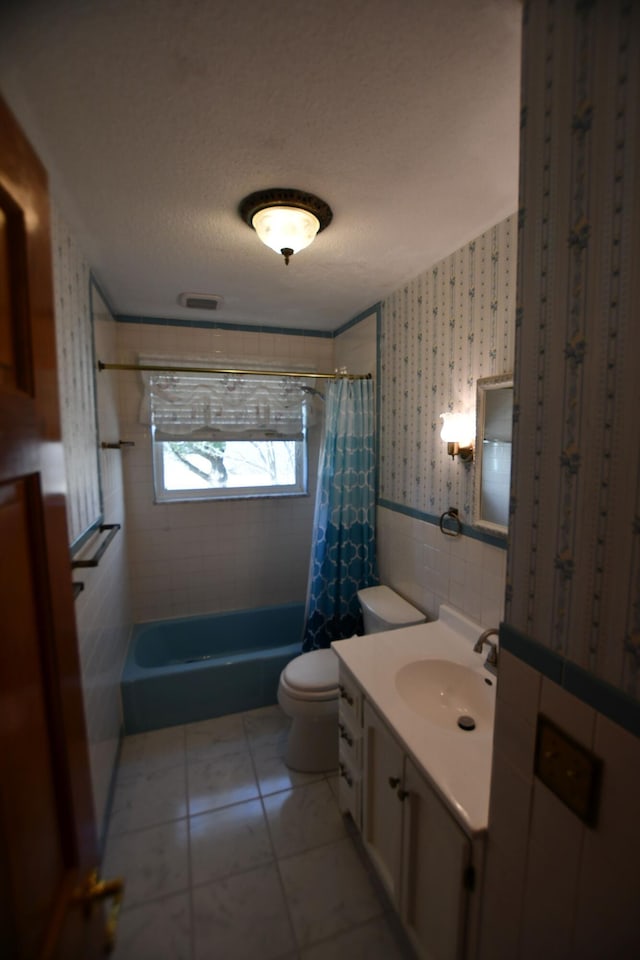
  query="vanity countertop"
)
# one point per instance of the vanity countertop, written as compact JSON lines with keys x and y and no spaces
{"x":457,"y":762}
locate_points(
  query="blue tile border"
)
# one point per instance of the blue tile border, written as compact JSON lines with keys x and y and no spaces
{"x":221,"y":325}
{"x":542,"y":659}
{"x":606,"y":699}
{"x":248,"y":327}
{"x":467,"y":529}
{"x":96,"y":283}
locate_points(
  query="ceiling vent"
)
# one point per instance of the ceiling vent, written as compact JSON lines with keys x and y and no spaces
{"x":200,"y":301}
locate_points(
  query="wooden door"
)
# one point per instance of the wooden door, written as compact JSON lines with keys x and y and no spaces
{"x":47,"y":835}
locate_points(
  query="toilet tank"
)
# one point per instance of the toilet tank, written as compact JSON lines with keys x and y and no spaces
{"x":383,"y":609}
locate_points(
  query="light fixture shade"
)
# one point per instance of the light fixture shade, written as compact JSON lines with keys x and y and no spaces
{"x":284,"y":228}
{"x":458,"y":428}
{"x":285,"y":219}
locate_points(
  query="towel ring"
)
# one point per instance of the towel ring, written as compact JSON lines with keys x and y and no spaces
{"x":452,"y":513}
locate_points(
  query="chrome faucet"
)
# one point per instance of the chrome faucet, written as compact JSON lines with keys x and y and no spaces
{"x":492,"y":656}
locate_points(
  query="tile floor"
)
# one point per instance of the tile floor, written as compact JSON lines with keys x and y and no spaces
{"x":228,"y":855}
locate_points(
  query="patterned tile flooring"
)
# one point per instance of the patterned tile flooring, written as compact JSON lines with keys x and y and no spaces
{"x":229,"y":855}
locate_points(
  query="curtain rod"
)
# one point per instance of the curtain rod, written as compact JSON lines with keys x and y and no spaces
{"x":152,"y":368}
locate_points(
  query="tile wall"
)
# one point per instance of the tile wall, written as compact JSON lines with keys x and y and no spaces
{"x":554,"y":886}
{"x":195,"y":558}
{"x":356,"y":347}
{"x":429,"y":568}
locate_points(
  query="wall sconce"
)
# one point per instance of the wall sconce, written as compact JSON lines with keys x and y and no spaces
{"x":458,"y":432}
{"x":285,"y":219}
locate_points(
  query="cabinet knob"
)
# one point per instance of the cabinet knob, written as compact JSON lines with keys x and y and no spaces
{"x":344,"y":773}
{"x":345,"y":735}
{"x":403,"y":794}
{"x":345,"y":695}
{"x":393,"y":782}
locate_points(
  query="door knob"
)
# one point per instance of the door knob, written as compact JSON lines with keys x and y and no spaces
{"x":93,"y":889}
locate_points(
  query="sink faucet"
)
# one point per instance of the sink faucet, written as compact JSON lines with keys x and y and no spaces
{"x":492,"y":656}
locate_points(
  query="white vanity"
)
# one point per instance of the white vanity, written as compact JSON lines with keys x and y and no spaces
{"x":415,"y":782}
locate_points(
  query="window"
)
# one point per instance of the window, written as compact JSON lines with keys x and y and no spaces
{"x":220,"y":436}
{"x":203,"y":469}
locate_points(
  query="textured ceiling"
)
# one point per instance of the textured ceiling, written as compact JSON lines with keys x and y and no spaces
{"x":156,"y":117}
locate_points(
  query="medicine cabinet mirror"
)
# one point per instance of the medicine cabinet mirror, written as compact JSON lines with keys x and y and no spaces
{"x":494,"y":410}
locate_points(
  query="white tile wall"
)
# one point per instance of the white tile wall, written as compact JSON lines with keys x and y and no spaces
{"x":195,"y":558}
{"x":555,"y":842}
{"x":607,"y":896}
{"x":510,"y":808}
{"x":429,"y":568}
{"x":555,"y":887}
{"x":356,"y":348}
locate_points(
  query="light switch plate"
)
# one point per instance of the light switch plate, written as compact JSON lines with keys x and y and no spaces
{"x":568,"y":769}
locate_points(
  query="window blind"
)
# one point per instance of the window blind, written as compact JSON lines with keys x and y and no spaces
{"x":205,"y":406}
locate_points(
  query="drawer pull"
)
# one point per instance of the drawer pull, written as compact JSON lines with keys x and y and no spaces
{"x":402,"y":794}
{"x":344,"y":773}
{"x":346,"y":695}
{"x":344,"y":734}
{"x":394,"y":782}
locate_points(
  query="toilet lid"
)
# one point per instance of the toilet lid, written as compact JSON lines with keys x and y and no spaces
{"x":316,"y":671}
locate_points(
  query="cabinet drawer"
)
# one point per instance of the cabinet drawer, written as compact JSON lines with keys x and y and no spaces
{"x":350,"y":702}
{"x":349,"y":789}
{"x":350,"y":742}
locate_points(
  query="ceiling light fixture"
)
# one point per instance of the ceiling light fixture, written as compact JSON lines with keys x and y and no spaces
{"x":286,"y":220}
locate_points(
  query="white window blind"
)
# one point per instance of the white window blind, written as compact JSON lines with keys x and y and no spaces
{"x":205,"y":406}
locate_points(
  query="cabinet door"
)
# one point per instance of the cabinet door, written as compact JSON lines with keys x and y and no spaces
{"x":382,"y":808}
{"x":436,"y":861}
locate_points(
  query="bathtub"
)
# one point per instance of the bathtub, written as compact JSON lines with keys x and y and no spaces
{"x":179,"y":671}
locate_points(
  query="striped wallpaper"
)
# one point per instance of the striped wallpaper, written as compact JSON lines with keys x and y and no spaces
{"x":74,"y":338}
{"x":574,"y":560}
{"x":441,"y":332}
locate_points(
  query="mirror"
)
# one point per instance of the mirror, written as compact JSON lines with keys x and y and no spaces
{"x":494,"y":411}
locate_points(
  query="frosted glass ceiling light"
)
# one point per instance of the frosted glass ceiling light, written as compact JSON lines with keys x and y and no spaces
{"x":285,"y":220}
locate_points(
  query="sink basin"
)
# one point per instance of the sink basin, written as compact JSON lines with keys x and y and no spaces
{"x":444,"y":692}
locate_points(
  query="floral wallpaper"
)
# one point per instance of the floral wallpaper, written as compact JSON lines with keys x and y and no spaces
{"x":441,"y":332}
{"x":574,"y":563}
{"x":76,"y":379}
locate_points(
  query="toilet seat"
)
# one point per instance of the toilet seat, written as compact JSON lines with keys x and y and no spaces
{"x":312,"y":676}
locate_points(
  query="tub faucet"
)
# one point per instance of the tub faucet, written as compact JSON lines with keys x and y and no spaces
{"x":492,"y":656}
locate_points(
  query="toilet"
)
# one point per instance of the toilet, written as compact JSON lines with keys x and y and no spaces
{"x":308,"y":691}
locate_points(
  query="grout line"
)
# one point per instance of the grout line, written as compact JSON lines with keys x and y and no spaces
{"x":274,"y":861}
{"x":158,"y":898}
{"x":387,"y":917}
{"x":149,"y":826}
{"x":285,"y":898}
{"x":192,"y":926}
